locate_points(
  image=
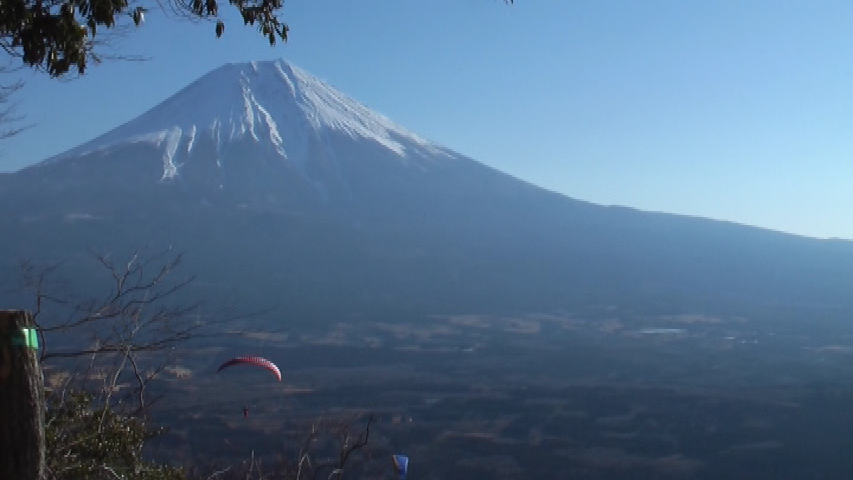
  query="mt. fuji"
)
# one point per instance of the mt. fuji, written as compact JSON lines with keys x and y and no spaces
{"x":272,"y":103}
{"x":280,"y":189}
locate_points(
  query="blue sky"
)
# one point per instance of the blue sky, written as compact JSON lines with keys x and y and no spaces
{"x":733,"y":110}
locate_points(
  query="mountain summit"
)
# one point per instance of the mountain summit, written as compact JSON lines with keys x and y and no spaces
{"x":267,"y":136}
{"x":281,"y":189}
{"x":274,"y":104}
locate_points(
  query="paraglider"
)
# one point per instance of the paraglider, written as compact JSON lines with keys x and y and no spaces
{"x":252,"y":361}
{"x":401,"y":465}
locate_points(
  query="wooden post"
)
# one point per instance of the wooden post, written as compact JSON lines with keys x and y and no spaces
{"x":22,"y":449}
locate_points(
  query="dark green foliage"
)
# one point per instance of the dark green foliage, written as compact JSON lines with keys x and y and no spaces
{"x":85,"y":440}
{"x":59,"y":36}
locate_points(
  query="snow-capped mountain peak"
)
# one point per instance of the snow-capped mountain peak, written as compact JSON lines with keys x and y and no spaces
{"x":271,"y":103}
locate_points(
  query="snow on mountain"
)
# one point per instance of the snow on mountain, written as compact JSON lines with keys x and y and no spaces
{"x":282,"y":188}
{"x":271,"y":103}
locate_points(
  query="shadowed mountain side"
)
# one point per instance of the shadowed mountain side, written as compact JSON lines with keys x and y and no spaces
{"x":454,"y":238}
{"x":362,"y":217}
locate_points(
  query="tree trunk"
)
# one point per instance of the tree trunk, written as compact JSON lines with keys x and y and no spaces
{"x":22,"y":454}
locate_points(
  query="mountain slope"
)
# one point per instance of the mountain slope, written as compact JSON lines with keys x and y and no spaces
{"x":273,"y":104}
{"x":282,"y":190}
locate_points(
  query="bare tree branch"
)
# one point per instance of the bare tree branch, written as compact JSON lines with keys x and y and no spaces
{"x":9,"y":117}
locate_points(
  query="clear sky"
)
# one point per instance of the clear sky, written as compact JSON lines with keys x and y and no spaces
{"x":727,"y":109}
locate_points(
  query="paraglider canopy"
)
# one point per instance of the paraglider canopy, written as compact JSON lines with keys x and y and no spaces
{"x":401,"y":465}
{"x":252,"y":361}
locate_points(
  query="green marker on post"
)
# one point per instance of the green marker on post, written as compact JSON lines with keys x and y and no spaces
{"x":26,"y":337}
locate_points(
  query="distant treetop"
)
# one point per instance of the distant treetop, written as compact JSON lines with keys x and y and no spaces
{"x":59,"y":36}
